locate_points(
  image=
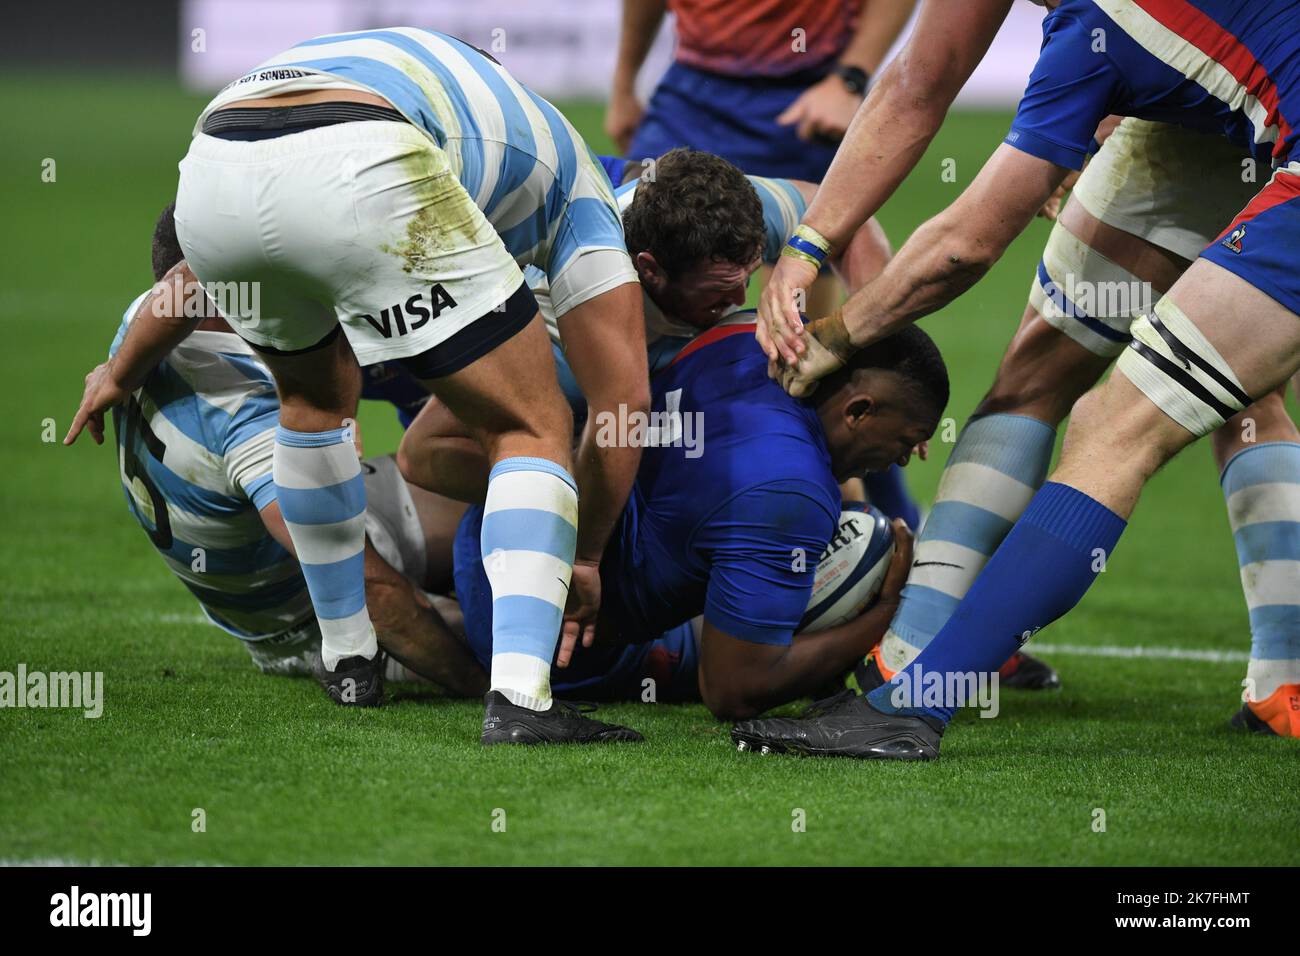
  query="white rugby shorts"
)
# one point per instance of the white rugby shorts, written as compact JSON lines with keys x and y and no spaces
{"x":359,"y":223}
{"x":1171,"y":186}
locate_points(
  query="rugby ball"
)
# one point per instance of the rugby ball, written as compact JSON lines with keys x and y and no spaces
{"x":852,"y":569}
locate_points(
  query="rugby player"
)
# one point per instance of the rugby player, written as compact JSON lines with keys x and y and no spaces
{"x":195,"y":446}
{"x":1146,"y":204}
{"x":1226,"y":330}
{"x":736,"y":497}
{"x":696,"y":231}
{"x":196,"y":443}
{"x":392,"y":183}
{"x":769,"y":85}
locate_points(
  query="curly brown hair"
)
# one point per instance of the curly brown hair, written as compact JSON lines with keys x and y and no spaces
{"x":696,"y":206}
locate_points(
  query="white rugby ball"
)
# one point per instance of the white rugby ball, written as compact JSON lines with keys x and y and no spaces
{"x":852,"y":569}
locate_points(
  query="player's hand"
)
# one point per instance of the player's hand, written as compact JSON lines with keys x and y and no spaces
{"x":580,"y":611}
{"x":102,"y":393}
{"x":1105,"y":128}
{"x":891,"y":592}
{"x":622,"y":117}
{"x":824,"y":110}
{"x":827,"y":349}
{"x":779,"y":329}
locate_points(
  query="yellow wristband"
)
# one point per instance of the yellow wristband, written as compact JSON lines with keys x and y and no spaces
{"x":794,"y":253}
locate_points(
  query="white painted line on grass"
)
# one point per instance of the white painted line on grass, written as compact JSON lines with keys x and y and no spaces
{"x":1155,"y":653}
{"x":62,"y":862}
{"x":56,"y":861}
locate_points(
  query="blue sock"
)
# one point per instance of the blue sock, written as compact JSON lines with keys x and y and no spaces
{"x":888,"y":492}
{"x":1045,"y":565}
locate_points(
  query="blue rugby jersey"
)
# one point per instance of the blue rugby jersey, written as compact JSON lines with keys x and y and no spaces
{"x":521,"y":161}
{"x":1227,"y":67}
{"x":732,"y":506}
{"x":194,"y":454}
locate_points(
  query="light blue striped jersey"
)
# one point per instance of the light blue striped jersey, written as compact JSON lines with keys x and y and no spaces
{"x":194,"y":452}
{"x":520,"y":160}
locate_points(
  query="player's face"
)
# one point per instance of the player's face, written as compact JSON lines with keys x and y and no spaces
{"x":876,"y":430}
{"x":889,"y":438}
{"x":704,"y":294}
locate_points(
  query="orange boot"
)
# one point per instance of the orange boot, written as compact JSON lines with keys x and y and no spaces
{"x":1277,"y":714}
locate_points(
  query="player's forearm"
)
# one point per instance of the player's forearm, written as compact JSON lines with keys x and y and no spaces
{"x":883,"y":144}
{"x":641,"y":19}
{"x":903,"y":111}
{"x":879,"y":27}
{"x":932,"y":269}
{"x":953,"y":251}
{"x":453,"y":467}
{"x":864,"y":258}
{"x":159,"y":325}
{"x":436,"y":455}
{"x":414,"y":633}
{"x":605,"y":473}
{"x":604,"y":344}
{"x":813,"y":660}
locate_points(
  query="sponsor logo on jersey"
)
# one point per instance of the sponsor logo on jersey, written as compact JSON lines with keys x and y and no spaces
{"x":413,"y":314}
{"x":1233,"y":242}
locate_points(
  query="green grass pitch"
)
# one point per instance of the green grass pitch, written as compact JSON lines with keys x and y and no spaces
{"x":285,"y":777}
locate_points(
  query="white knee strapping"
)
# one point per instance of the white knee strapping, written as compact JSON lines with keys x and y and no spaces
{"x":1176,"y":367}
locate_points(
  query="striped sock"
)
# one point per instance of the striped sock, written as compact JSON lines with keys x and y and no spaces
{"x":530,"y":533}
{"x":323,"y":500}
{"x":1262,"y":485}
{"x":998,"y":463}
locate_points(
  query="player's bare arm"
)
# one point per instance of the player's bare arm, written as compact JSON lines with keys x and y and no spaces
{"x":827,"y":107}
{"x":863,"y":256}
{"x":160,"y":325}
{"x":409,"y":627}
{"x":886,"y":139}
{"x":412,"y":630}
{"x":605,"y":347}
{"x":641,"y":20}
{"x":740,"y":679}
{"x":941,"y":260}
{"x":439,"y":454}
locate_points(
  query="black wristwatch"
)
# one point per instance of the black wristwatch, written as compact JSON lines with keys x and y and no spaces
{"x":855,"y":78}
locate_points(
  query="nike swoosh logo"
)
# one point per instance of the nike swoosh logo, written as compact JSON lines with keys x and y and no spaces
{"x":942,"y":564}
